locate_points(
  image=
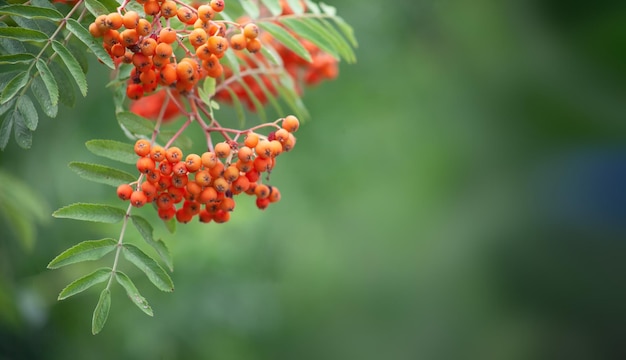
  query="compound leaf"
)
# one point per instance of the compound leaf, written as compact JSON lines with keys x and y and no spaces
{"x":286,"y":39}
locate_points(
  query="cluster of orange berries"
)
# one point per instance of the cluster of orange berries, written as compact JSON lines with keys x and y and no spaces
{"x":206,"y":184}
{"x":150,"y":47}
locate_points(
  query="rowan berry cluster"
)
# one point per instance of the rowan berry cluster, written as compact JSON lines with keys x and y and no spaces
{"x":206,"y":184}
{"x":151,"y":45}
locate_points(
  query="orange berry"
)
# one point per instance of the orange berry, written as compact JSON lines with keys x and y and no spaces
{"x":244,"y":166}
{"x":148,"y":46}
{"x":165,"y":168}
{"x":167,"y":35}
{"x":124,"y":191}
{"x":282,"y":135}
{"x":179,"y":169}
{"x":217,"y":5}
{"x":159,"y":62}
{"x":221,"y":216}
{"x":244,"y":154}
{"x":291,"y":123}
{"x":203,"y":53}
{"x":231,"y":173}
{"x":173,"y":154}
{"x":222,"y":150}
{"x":167,"y":213}
{"x":111,"y":37}
{"x":217,"y":170}
{"x":142,"y":62}
{"x":193,"y":188}
{"x":199,"y":24}
{"x":262,"y":191}
{"x":153,"y":176}
{"x":180,"y":181}
{"x":142,"y":147}
{"x":164,"y":201}
{"x":143,"y":27}
{"x":205,"y":216}
{"x":290,"y":143}
{"x":221,"y":185}
{"x":262,"y":164}
{"x":251,"y":140}
{"x":138,"y":198}
{"x":207,"y":195}
{"x":186,"y":15}
{"x":274,"y":194}
{"x":129,"y":37}
{"x":130,"y":19}
{"x":118,"y":50}
{"x":145,"y":165}
{"x":276,"y":147}
{"x":209,"y":159}
{"x":197,"y":38}
{"x":205,"y":13}
{"x":253,"y":45}
{"x":262,"y":203}
{"x":240,"y":184}
{"x":251,"y":31}
{"x":151,"y":7}
{"x":203,"y":178}
{"x":163,"y":50}
{"x":164,"y":182}
{"x":149,"y":189}
{"x":177,"y":193}
{"x":101,"y":23}
{"x":238,"y":41}
{"x":183,"y":216}
{"x":212,"y":66}
{"x":263,"y":149}
{"x":227,"y":204}
{"x":134,"y":91}
{"x":114,"y":21}
{"x":168,"y":9}
{"x":217,"y":44}
{"x":253,"y":175}
{"x":94,"y":30}
{"x":193,"y":162}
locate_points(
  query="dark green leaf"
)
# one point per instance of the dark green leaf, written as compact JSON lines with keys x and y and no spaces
{"x":85,"y":251}
{"x":27,"y":109}
{"x":149,"y":266}
{"x":134,"y":123}
{"x":72,"y":65}
{"x":286,"y":39}
{"x":16,"y":58}
{"x":273,"y":6}
{"x":50,"y":82}
{"x":23,"y":136}
{"x":22,"y":34}
{"x":14,"y":86}
{"x":83,"y":35}
{"x":43,"y":96}
{"x":7,"y":105}
{"x":62,"y":76}
{"x":79,"y":285}
{"x":133,"y":293}
{"x":304,"y":28}
{"x":91,"y":212}
{"x":31,"y":12}
{"x":112,"y":149}
{"x":101,"y":312}
{"x":101,"y":174}
{"x":95,"y":8}
{"x":146,"y":231}
{"x":5,"y":131}
{"x":44,"y":26}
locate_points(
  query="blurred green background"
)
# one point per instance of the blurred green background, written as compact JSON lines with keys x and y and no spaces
{"x":460,"y":193}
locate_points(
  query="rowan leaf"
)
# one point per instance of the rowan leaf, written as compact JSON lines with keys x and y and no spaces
{"x":85,"y":251}
{"x":101,"y":312}
{"x":112,"y":149}
{"x":22,"y":34}
{"x":14,"y":86}
{"x":149,"y":266}
{"x":26,"y":107}
{"x":286,"y":38}
{"x":91,"y":212}
{"x":31,"y":12}
{"x":72,"y":65}
{"x":50,"y":83}
{"x":101,"y":174}
{"x":133,"y":293}
{"x":81,"y":284}
{"x":146,"y":231}
{"x":83,"y":35}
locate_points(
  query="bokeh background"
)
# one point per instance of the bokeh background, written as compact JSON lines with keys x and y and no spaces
{"x":460,"y":193}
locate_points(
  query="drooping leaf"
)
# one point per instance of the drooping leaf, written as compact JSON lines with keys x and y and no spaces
{"x":50,"y":82}
{"x":91,"y":212}
{"x":79,"y":285}
{"x":146,"y":231}
{"x":62,"y":76}
{"x":83,"y":35}
{"x":101,"y":312}
{"x":133,"y":293}
{"x":149,"y":266}
{"x":22,"y":34}
{"x":31,"y":12}
{"x":72,"y":65}
{"x":273,"y":6}
{"x":23,"y":136}
{"x":5,"y":131}
{"x":112,"y":149}
{"x":347,"y":30}
{"x":85,"y":251}
{"x":305,"y":28}
{"x":101,"y":174}
{"x":44,"y":97}
{"x":7,"y":106}
{"x":14,"y":86}
{"x":251,"y":8}
{"x":342,"y":46}
{"x":270,"y":53}
{"x":95,"y":8}
{"x":295,"y":6}
{"x":29,"y":113}
{"x":134,"y":123}
{"x":16,"y":58}
{"x":284,"y":37}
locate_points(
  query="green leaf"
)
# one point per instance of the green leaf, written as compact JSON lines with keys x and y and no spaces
{"x":304,"y":28}
{"x":328,"y":9}
{"x":72,"y":65}
{"x":251,"y":8}
{"x":146,"y":231}
{"x":31,"y":12}
{"x":83,"y":35}
{"x":347,"y":30}
{"x":270,"y":53}
{"x":79,"y":285}
{"x":258,"y":106}
{"x":85,"y":251}
{"x":14,"y":86}
{"x":312,"y":7}
{"x":27,"y":109}
{"x":91,"y":212}
{"x":273,"y":6}
{"x":48,"y":80}
{"x":133,"y":293}
{"x":170,"y":225}
{"x":95,"y":8}
{"x":5,"y":131}
{"x":101,"y":174}
{"x":101,"y":312}
{"x":112,"y":149}
{"x":134,"y":123}
{"x":149,"y":266}
{"x":286,"y":39}
{"x":22,"y":34}
{"x":23,"y":136}
{"x":7,"y":106}
{"x":343,"y":47}
{"x":182,"y":141}
{"x":16,"y":58}
{"x":295,"y":6}
{"x":62,"y":76}
{"x":44,"y":97}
